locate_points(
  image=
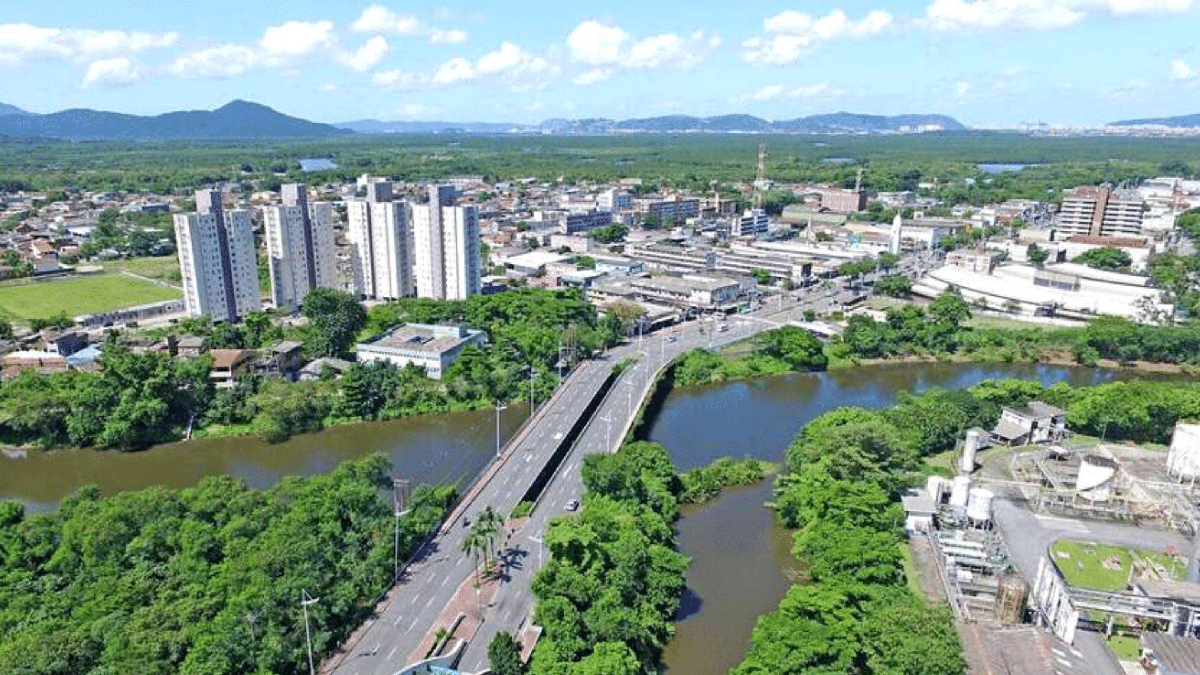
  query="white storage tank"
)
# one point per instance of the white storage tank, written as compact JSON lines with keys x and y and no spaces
{"x":1183,"y":457}
{"x":935,"y":487}
{"x":1096,"y":476}
{"x":959,"y":492}
{"x":971,"y":446}
{"x":979,"y":505}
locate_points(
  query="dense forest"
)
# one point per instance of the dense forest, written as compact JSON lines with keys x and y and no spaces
{"x":948,"y":160}
{"x":201,"y":580}
{"x":138,"y":399}
{"x":607,"y":597}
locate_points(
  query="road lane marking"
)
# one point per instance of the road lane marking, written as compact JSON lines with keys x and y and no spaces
{"x":393,"y":652}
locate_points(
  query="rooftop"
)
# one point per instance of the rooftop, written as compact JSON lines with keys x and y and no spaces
{"x":422,"y":338}
{"x":1174,"y":654}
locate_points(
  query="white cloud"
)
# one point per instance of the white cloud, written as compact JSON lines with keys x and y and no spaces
{"x":414,"y":110}
{"x":296,"y":38}
{"x":669,"y":49}
{"x":962,"y":89}
{"x":370,"y":53}
{"x":20,"y":41}
{"x":114,"y":72}
{"x":955,"y":15}
{"x":594,"y":43}
{"x":1182,"y":72}
{"x":398,"y":79}
{"x":215,"y":62}
{"x":379,"y":19}
{"x":454,"y":71}
{"x":511,"y":61}
{"x":791,"y":34}
{"x":609,"y":48}
{"x":447,"y":36}
{"x":329,"y":88}
{"x":593,"y":76}
{"x":774,"y":92}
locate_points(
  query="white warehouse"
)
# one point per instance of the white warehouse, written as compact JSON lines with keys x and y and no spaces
{"x":433,"y":348}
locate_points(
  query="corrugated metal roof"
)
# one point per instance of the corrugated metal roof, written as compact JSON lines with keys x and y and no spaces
{"x":1177,"y":655}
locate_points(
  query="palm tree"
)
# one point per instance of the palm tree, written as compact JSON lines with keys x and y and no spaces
{"x":491,"y":522}
{"x":471,"y":545}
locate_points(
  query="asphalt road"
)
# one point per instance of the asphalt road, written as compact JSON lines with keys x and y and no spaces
{"x":429,"y":582}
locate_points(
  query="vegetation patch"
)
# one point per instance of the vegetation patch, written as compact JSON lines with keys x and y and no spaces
{"x":707,"y":482}
{"x":24,"y":301}
{"x":1111,"y":568}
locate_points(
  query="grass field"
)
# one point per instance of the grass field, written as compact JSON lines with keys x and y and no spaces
{"x":25,"y":300}
{"x":1125,"y":647}
{"x":165,"y":268}
{"x":1082,"y":564}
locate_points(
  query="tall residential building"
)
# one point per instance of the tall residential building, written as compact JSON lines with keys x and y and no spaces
{"x":1099,"y":211}
{"x":300,"y":250}
{"x":614,"y":200}
{"x":446,"y":247}
{"x":380,"y":244}
{"x":216,"y":260}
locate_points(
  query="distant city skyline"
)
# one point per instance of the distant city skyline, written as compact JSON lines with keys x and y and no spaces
{"x":987,"y":63}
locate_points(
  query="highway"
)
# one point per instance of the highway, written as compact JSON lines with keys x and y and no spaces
{"x":385,"y":643}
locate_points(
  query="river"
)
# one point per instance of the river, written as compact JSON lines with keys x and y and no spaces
{"x":445,"y":448}
{"x":740,"y":556}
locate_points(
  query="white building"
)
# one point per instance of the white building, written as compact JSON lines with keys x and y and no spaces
{"x":300,"y":249}
{"x":752,"y":223}
{"x":433,"y":348}
{"x":1100,"y":211}
{"x":216,"y":260}
{"x":446,"y":247}
{"x":614,"y":200}
{"x":380,"y":244}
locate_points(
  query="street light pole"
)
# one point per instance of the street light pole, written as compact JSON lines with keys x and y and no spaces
{"x":305,"y":601}
{"x":498,"y":409}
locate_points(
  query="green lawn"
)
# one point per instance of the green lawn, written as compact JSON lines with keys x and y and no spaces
{"x":1125,"y":647}
{"x":165,"y":268}
{"x":23,"y":300}
{"x":910,"y":569}
{"x":1082,"y":564}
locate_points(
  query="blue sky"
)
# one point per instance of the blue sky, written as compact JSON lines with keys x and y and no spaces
{"x":986,"y":62}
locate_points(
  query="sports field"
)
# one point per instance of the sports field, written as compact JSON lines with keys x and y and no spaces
{"x":23,"y":300}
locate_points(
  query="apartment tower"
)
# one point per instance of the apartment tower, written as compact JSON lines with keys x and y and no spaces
{"x":446,"y":247}
{"x":300,"y":249}
{"x":380,"y":243}
{"x":216,"y":260}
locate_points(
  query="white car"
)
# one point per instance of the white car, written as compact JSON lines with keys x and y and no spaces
{"x":573,"y":505}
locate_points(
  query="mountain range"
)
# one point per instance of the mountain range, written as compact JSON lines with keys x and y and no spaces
{"x":247,"y":120}
{"x":841,"y":122}
{"x":1177,"y":121}
{"x":234,"y":120}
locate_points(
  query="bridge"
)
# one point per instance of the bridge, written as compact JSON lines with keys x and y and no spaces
{"x":591,"y":411}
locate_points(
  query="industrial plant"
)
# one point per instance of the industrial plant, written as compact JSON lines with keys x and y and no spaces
{"x":1050,"y":548}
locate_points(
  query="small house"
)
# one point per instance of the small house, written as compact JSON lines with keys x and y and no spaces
{"x":190,"y":346}
{"x":314,"y":369}
{"x":228,"y":364}
{"x":1034,"y":423}
{"x":283,"y":358}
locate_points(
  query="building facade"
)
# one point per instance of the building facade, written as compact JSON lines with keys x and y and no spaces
{"x":582,"y":222}
{"x":380,"y":244}
{"x":300,"y":249}
{"x":216,"y":260}
{"x":433,"y":348}
{"x":446,"y":247}
{"x":752,"y":223}
{"x":614,"y":200}
{"x":1099,"y":211}
{"x":844,"y":201}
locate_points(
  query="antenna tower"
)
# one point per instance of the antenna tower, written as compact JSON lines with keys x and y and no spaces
{"x":760,"y":182}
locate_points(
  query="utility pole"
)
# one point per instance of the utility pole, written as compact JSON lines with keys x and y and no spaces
{"x":498,"y":409}
{"x":401,"y":489}
{"x":305,"y":601}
